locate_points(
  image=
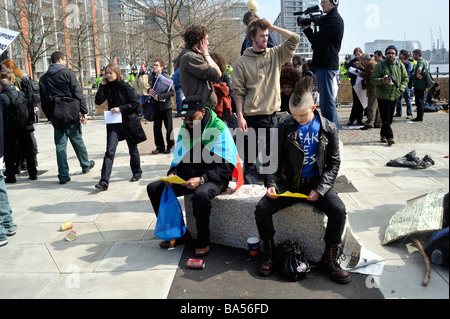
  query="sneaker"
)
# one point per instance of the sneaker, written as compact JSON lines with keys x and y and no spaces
{"x":3,"y":243}
{"x":65,"y":181}
{"x":92,"y":164}
{"x":101,"y":186}
{"x":384,"y":139}
{"x":409,"y":117}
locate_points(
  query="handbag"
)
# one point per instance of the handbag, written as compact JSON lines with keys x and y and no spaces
{"x":170,"y":223}
{"x":429,"y":81}
{"x":134,"y":131}
{"x":292,"y":262}
{"x":149,"y":110}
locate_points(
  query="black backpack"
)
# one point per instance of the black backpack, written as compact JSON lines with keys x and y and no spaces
{"x":20,"y":114}
{"x":31,"y":89}
{"x":292,"y":262}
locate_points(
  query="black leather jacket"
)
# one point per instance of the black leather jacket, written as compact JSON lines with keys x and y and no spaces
{"x":291,"y":157}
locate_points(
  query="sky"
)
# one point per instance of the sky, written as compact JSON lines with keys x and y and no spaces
{"x":367,"y":21}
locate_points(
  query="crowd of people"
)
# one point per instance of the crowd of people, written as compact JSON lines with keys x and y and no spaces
{"x":270,"y":88}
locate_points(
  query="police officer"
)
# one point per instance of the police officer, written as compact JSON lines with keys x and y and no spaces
{"x":343,"y":68}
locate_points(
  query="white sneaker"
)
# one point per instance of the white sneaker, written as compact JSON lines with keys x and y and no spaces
{"x":3,"y":243}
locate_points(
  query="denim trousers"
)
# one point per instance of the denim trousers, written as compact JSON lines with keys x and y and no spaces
{"x":407,"y":96}
{"x":201,"y":204}
{"x":6,"y":222}
{"x":330,"y":204}
{"x":112,"y":139}
{"x":73,"y":133}
{"x":179,"y":98}
{"x":327,"y":104}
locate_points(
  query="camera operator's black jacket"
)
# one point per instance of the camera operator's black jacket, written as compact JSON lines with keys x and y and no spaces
{"x":326,"y":43}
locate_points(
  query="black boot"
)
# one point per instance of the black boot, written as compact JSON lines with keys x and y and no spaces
{"x":330,"y":264}
{"x":267,"y":262}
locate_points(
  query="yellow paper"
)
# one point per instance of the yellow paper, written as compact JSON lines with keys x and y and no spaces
{"x":289,"y":194}
{"x":173,"y":179}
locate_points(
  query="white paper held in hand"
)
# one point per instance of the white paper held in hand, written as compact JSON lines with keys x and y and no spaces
{"x":112,"y":118}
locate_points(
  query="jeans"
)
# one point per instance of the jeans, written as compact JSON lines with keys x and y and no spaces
{"x":201,"y":204}
{"x":420,"y":102}
{"x":112,"y":139}
{"x":73,"y":133}
{"x":179,"y":98}
{"x":407,"y":96}
{"x":327,"y":104}
{"x":387,"y":109}
{"x":330,"y":204}
{"x":6,"y":222}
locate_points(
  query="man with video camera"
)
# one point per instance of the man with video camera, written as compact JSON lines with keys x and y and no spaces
{"x":326,"y":44}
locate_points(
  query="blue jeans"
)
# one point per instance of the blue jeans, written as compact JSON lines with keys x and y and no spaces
{"x":407,"y":96}
{"x":113,"y":135}
{"x":179,"y":97}
{"x":73,"y":133}
{"x":6,"y":222}
{"x":327,"y":105}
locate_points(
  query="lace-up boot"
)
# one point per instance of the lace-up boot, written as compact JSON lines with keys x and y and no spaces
{"x":330,"y":263}
{"x":266,"y":265}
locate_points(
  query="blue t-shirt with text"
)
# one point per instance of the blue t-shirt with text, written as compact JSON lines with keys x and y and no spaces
{"x":309,"y":136}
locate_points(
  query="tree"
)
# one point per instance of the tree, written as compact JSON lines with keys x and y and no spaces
{"x":36,"y":26}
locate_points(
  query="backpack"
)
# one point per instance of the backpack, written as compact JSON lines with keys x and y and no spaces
{"x":31,"y":89}
{"x":292,"y":262}
{"x":20,"y":113}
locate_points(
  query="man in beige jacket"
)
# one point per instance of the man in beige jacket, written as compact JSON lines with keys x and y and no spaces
{"x":256,"y":86}
{"x":141,"y":84}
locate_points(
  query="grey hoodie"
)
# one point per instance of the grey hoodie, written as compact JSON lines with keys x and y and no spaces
{"x":197,"y":77}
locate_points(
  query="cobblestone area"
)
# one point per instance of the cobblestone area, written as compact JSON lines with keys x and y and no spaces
{"x":433,"y":129}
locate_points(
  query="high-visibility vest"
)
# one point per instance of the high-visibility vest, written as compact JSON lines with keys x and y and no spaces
{"x":343,"y":72}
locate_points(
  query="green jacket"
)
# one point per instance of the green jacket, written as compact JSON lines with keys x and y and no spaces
{"x":397,"y":71}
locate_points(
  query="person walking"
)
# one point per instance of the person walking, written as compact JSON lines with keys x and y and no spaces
{"x":390,"y":79}
{"x":60,"y":91}
{"x":122,"y":98}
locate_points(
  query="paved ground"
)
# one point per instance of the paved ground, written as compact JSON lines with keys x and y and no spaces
{"x":117,"y":256}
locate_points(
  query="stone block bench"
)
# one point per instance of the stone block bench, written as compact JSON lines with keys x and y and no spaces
{"x":232,"y":221}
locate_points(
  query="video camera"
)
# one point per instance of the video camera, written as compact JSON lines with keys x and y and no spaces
{"x":315,"y":16}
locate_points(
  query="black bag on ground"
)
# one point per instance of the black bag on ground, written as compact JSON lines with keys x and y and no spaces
{"x":291,"y":261}
{"x":66,"y":111}
{"x":20,"y":113}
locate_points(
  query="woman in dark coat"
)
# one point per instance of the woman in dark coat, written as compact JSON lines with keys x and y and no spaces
{"x":122,"y":98}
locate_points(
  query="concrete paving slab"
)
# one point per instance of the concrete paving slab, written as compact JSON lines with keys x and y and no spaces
{"x":153,"y":284}
{"x":24,"y":285}
{"x":83,"y":257}
{"x":402,"y":278}
{"x":139,"y":255}
{"x":28,"y":259}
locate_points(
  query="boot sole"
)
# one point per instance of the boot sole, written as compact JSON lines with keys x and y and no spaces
{"x":265,"y":273}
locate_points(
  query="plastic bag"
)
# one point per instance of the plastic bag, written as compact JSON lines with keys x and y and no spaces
{"x":170,"y":223}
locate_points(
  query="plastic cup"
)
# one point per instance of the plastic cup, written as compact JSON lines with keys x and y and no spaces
{"x":71,"y":236}
{"x":253,"y":245}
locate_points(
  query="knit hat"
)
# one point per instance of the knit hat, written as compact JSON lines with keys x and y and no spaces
{"x":391,"y":47}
